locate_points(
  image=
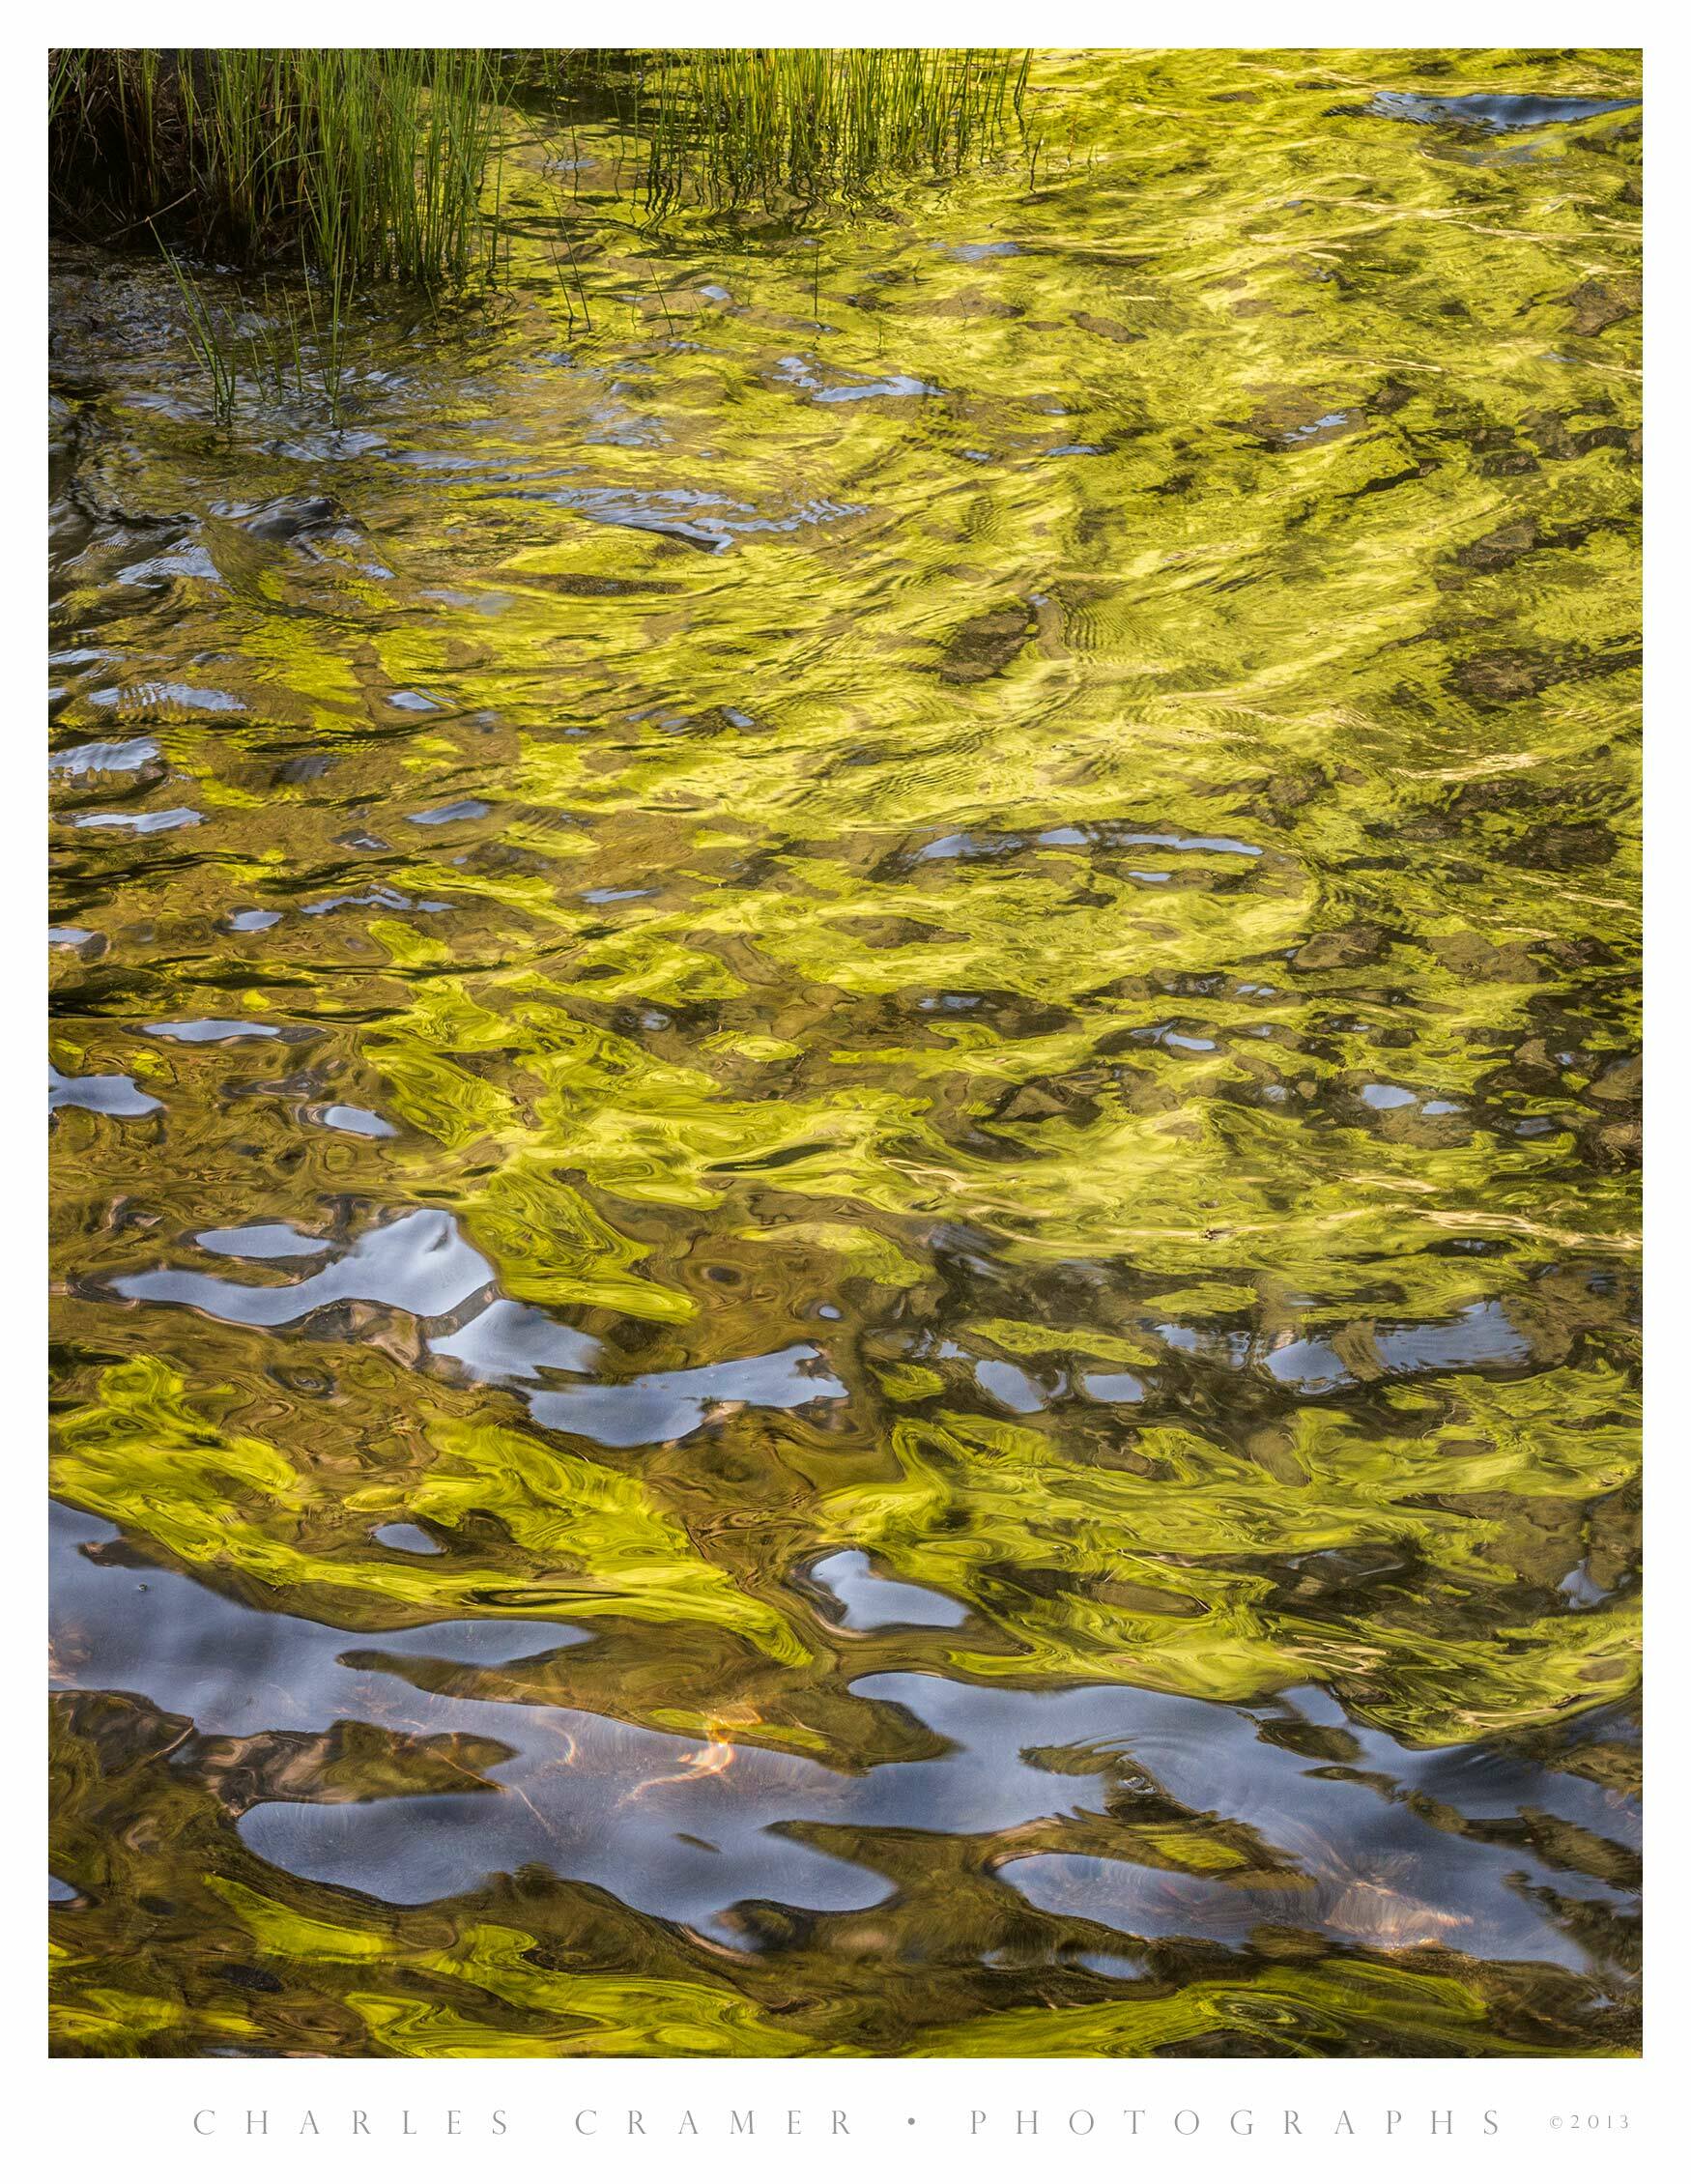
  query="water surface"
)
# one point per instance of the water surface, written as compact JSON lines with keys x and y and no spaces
{"x":847,"y":1107}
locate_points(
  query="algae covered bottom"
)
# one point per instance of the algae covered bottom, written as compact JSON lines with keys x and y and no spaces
{"x":845,"y":1108}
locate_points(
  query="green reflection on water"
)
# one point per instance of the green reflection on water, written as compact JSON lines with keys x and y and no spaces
{"x":1061,"y":843}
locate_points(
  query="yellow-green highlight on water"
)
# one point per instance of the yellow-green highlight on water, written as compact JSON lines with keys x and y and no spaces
{"x":845,"y":1167}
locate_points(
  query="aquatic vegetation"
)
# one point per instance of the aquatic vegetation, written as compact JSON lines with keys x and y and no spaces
{"x":360,"y":165}
{"x":775,"y":125}
{"x":374,"y":162}
{"x":209,"y":337}
{"x":368,"y":162}
{"x":846,"y":1089}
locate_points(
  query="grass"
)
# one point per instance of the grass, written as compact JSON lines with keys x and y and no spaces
{"x":209,"y":338}
{"x":355,"y":165}
{"x":795,"y":124}
{"x":292,"y":346}
{"x":369,"y":164}
{"x":374,"y":163}
{"x":348,"y":165}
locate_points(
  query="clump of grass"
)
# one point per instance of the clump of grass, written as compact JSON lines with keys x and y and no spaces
{"x":366,"y":162}
{"x":785,"y":125}
{"x":295,"y":352}
{"x":375,"y":162}
{"x":209,"y":337}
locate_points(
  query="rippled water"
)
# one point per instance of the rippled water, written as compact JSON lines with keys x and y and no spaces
{"x":845,"y":1113}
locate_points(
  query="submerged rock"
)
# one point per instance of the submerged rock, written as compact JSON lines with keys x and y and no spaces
{"x":1492,"y":111}
{"x":985,"y":644}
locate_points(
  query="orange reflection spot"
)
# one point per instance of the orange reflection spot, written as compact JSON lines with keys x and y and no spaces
{"x":712,"y":1758}
{"x":564,"y":1756}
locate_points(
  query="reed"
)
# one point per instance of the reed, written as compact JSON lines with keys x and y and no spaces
{"x":292,"y":346}
{"x":210,"y":337}
{"x":787,"y":125}
{"x":370,"y":163}
{"x":387,"y":163}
